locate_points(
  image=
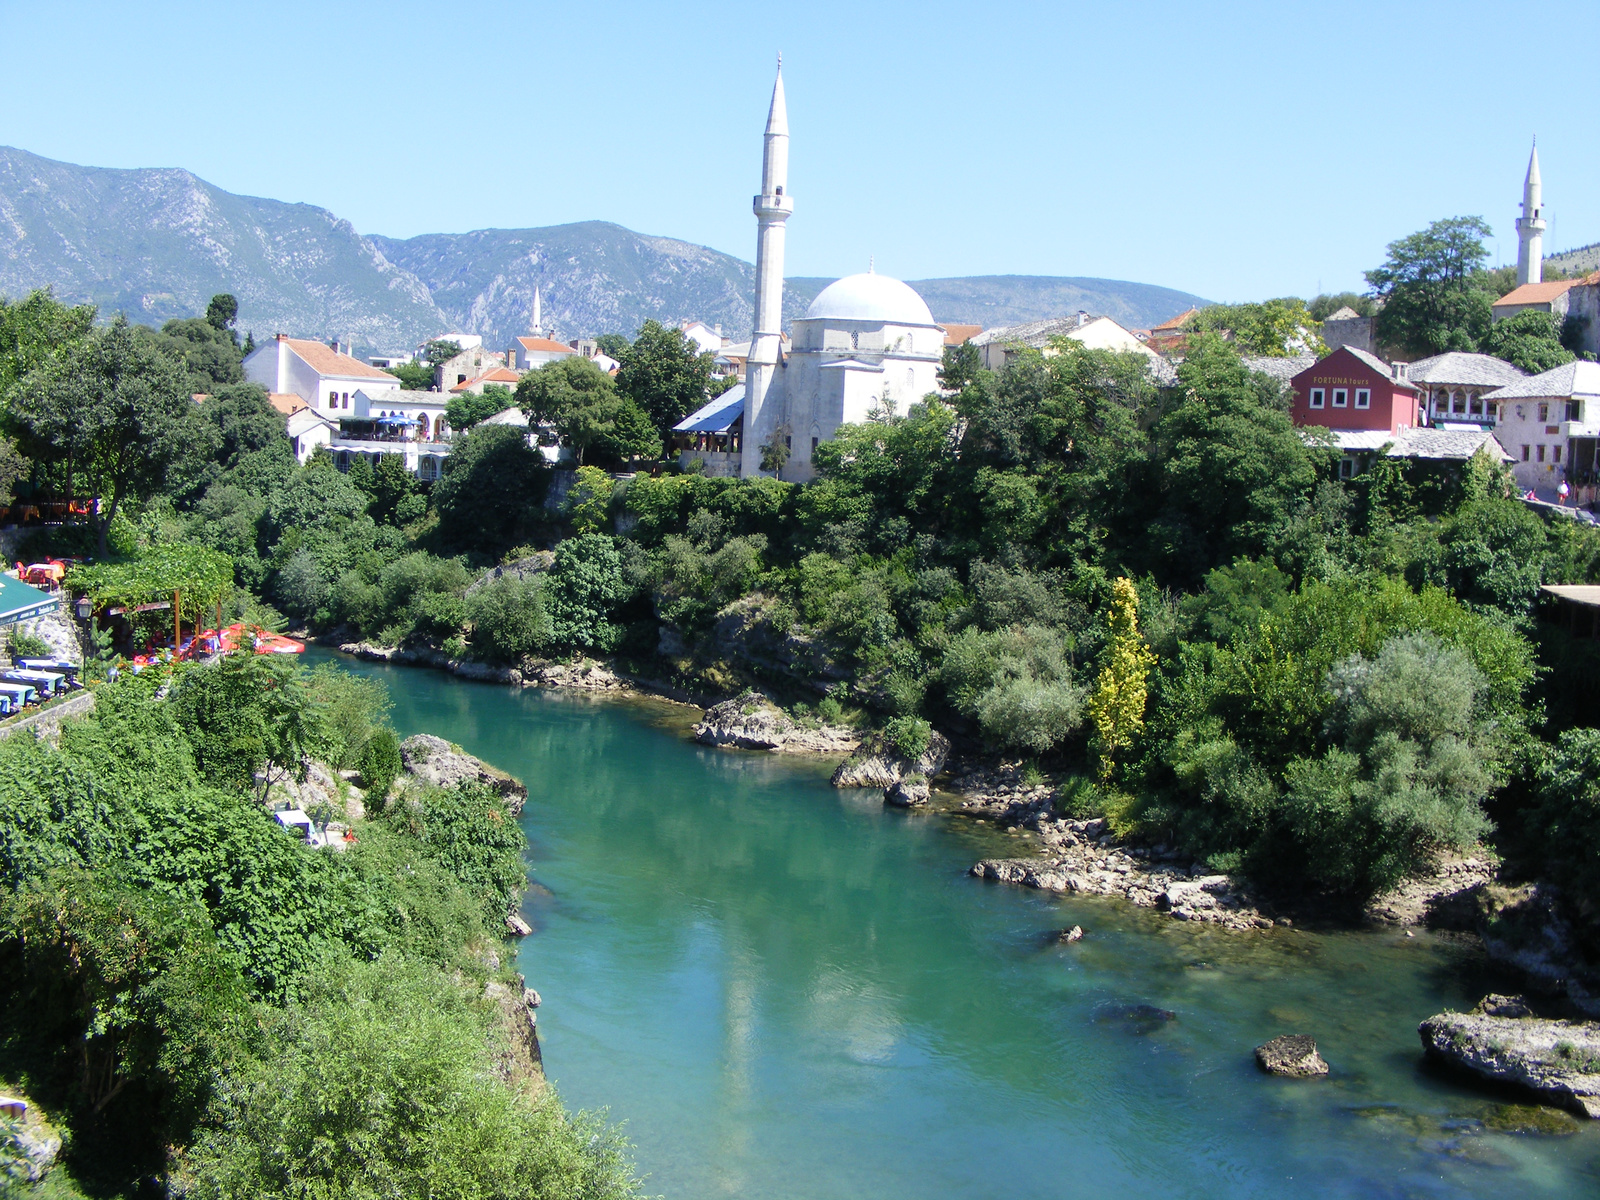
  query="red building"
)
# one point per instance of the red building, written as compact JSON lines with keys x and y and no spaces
{"x":1351,"y":389}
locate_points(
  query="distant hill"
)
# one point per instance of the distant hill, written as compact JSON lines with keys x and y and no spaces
{"x":1583,"y":258}
{"x":159,"y":243}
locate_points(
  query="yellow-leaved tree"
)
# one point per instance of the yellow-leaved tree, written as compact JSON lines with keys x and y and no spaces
{"x":1117,"y":705}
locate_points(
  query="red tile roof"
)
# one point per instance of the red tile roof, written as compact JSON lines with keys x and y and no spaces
{"x":535,"y":344}
{"x":1176,"y":323}
{"x":494,"y":375}
{"x":325,"y":360}
{"x":954,"y":335}
{"x":1537,"y":293}
{"x":286,"y":402}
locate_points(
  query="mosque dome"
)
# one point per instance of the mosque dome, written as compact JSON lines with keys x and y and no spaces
{"x":870,"y":297}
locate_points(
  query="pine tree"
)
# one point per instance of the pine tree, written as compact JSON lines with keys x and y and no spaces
{"x":1117,"y":706}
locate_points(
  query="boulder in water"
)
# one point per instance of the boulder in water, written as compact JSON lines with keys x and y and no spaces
{"x":1293,"y":1055}
{"x":1557,"y":1060}
{"x":883,"y":768}
{"x":907,"y":793}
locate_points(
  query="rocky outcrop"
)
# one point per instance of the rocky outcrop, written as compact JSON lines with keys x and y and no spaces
{"x":519,"y":1060}
{"x":883,"y":768}
{"x":28,"y":1136}
{"x":432,"y":760}
{"x":911,"y":792}
{"x":582,"y":674}
{"x":1294,"y":1055}
{"x":1528,"y":928}
{"x":1557,"y":1060}
{"x":750,"y":721}
{"x":759,"y":633}
{"x":1083,"y":858}
{"x":1444,"y":898}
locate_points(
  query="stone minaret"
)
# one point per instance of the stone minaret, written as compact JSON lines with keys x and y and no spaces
{"x":537,"y":328}
{"x":772,"y":209}
{"x":1530,"y":228}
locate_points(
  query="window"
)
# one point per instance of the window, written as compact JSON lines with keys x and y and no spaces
{"x":333,"y":399}
{"x":855,"y":340}
{"x":1347,"y":468}
{"x":1341,"y":398}
{"x":1316,"y":397}
{"x":1544,"y":412}
{"x":813,"y":445}
{"x":461,"y":378}
{"x":1573,"y":409}
{"x":1555,"y":454}
{"x":788,"y":444}
{"x":1363,"y":397}
{"x":346,"y":399}
{"x":1541,"y":452}
{"x":1524,"y":454}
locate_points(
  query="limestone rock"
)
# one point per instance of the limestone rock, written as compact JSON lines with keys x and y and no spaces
{"x":1494,"y":1005}
{"x":750,"y":721}
{"x":1067,"y":936}
{"x":30,"y":1136}
{"x":519,"y":1059}
{"x":581,"y":674}
{"x":516,"y":926}
{"x":882,"y":768}
{"x":1294,"y":1055}
{"x":432,"y":760}
{"x":907,"y":793}
{"x":1557,"y":1060}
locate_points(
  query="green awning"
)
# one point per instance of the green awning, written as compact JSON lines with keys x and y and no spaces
{"x":19,"y":601}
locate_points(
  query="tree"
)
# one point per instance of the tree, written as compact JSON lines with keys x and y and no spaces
{"x":509,"y":620}
{"x":665,"y":374}
{"x":581,"y":401}
{"x":221,"y":314}
{"x":249,"y":713}
{"x":34,"y":328}
{"x":1530,"y":341}
{"x":469,"y":409}
{"x":613,"y":345}
{"x":113,"y":413}
{"x":1273,"y":328}
{"x":1116,"y":706}
{"x":586,"y":584}
{"x":395,"y":499}
{"x":439,"y":351}
{"x":959,"y":366}
{"x":1325,"y":305}
{"x":588,"y":501}
{"x":491,"y":494}
{"x":1432,"y":300}
{"x":413,"y":376}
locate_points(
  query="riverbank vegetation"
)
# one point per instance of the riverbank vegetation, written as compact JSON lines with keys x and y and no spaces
{"x":215,"y":1008}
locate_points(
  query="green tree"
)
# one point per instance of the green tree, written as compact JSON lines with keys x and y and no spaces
{"x":1529,"y":340}
{"x":211,"y":354}
{"x":1325,"y":305}
{"x":35,"y":328}
{"x":613,"y":345}
{"x":469,"y":409}
{"x":1274,"y":328}
{"x":509,"y":620}
{"x":249,"y":713}
{"x":491,"y":494}
{"x":440,"y":350}
{"x":665,"y":374}
{"x":221,"y":314}
{"x":113,"y":415}
{"x":1433,"y":299}
{"x":586,"y":585}
{"x":395,"y":498}
{"x":413,"y":376}
{"x":581,"y":402}
{"x":959,"y":367}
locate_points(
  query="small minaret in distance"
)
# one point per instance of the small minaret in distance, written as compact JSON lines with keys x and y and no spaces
{"x":772,"y":208}
{"x":1530,"y":228}
{"x":537,"y":329}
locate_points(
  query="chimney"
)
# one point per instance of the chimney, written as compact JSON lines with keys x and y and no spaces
{"x":1400,"y":370}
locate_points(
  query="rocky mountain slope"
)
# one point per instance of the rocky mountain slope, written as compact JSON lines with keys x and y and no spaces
{"x":159,"y":243}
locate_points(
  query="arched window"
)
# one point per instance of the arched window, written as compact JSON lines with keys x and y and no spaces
{"x":855,"y":339}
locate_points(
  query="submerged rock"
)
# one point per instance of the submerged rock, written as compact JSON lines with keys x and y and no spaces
{"x":1067,"y":936}
{"x":1140,"y":1019}
{"x":1557,"y":1060}
{"x":432,"y":760}
{"x":1293,"y":1055}
{"x":516,"y":926}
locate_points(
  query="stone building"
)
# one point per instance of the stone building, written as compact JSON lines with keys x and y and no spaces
{"x":1550,"y":425}
{"x":1454,"y":387}
{"x":1347,"y":327}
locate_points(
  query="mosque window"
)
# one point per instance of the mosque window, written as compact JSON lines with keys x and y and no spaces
{"x":855,"y":339}
{"x":780,"y":189}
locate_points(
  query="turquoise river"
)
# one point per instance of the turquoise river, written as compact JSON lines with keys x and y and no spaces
{"x":786,"y":990}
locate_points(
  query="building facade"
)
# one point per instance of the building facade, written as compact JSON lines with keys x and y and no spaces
{"x":1455,"y":387}
{"x":1550,"y":426}
{"x":324,"y":378}
{"x":1351,"y":389}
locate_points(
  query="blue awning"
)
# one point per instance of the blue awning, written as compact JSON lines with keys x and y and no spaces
{"x":718,"y":416}
{"x":20,"y":602}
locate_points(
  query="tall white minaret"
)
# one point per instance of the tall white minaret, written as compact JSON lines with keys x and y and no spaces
{"x":772,"y":208}
{"x":1530,"y":228}
{"x":538,"y":320}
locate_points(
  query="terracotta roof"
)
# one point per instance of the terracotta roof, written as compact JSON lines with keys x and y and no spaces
{"x":286,"y":402}
{"x":1537,"y":293}
{"x":1176,"y":323}
{"x":493,"y":375}
{"x":954,"y":335}
{"x":325,"y":360}
{"x":535,"y":344}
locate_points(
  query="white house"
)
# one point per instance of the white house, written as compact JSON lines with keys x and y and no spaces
{"x":410,"y":424}
{"x":706,"y":337}
{"x":999,"y":346}
{"x":531,"y":352}
{"x":323,"y":377}
{"x":1550,"y":424}
{"x":309,"y":430}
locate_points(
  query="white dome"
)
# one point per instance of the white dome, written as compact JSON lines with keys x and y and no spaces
{"x":870,"y":298}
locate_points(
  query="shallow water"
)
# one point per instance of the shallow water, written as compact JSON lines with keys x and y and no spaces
{"x":787,"y":990}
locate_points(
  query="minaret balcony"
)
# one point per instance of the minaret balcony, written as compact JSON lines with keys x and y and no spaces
{"x":773,"y":206}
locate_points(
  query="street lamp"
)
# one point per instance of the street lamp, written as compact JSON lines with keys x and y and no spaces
{"x":85,"y":609}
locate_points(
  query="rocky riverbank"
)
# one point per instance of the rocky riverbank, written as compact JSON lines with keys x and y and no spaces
{"x":750,"y":721}
{"x":432,"y":760}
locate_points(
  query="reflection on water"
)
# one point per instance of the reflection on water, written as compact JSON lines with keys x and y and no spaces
{"x":790,"y":991}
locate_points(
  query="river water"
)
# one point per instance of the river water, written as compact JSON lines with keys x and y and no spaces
{"x":786,"y":990}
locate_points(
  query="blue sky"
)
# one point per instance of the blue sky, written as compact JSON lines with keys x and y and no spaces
{"x":1238,"y":152}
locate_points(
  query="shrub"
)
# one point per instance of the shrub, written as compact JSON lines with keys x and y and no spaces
{"x":509,"y":619}
{"x":586,"y":584}
{"x":908,"y":737}
{"x":379,"y":765}
{"x":22,"y":644}
{"x":1563,"y":829}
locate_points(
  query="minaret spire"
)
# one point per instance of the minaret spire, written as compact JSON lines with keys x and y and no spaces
{"x":538,"y":318}
{"x":1530,"y":227}
{"x":772,"y":209}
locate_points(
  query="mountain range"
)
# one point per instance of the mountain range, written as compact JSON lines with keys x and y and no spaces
{"x":159,"y":243}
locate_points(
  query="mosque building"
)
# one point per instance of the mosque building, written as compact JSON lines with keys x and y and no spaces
{"x":867,"y":343}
